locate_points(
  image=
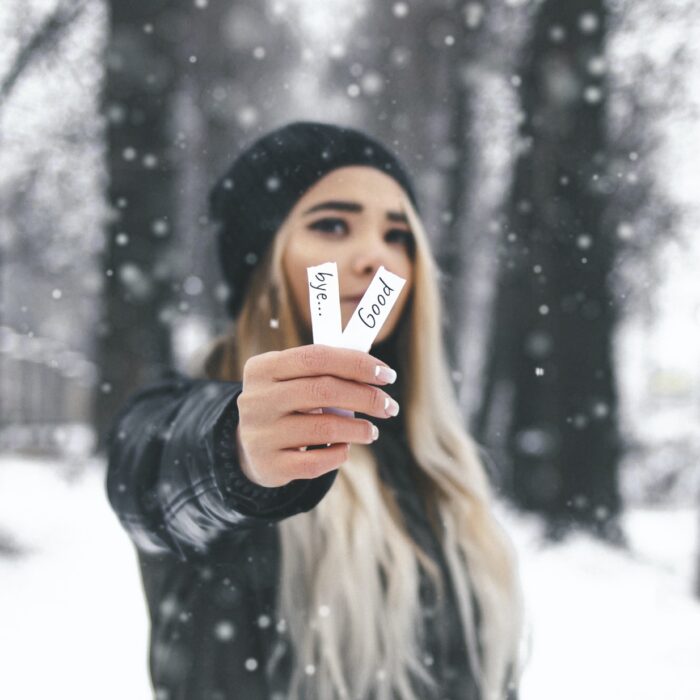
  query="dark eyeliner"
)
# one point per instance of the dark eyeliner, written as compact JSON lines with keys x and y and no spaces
{"x":406,"y":236}
{"x":329,"y":225}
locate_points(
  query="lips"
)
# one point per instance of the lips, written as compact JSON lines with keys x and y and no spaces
{"x":355,"y":297}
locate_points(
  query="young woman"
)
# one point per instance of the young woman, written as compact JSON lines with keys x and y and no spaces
{"x":369,"y":567}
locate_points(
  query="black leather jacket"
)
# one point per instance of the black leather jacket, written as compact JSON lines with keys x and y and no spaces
{"x":208,"y":547}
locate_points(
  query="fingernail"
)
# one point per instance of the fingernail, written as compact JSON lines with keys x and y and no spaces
{"x":385,"y":374}
{"x":375,"y":432}
{"x":390,"y":406}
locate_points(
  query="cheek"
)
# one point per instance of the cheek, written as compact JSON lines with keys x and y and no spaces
{"x":299,"y":255}
{"x":298,"y":289}
{"x":403,"y":267}
{"x":401,"y":307}
{"x":295,"y":273}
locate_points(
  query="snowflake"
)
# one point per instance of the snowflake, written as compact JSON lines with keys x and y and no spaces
{"x":160,"y":227}
{"x":193,"y":285}
{"x":588,"y":22}
{"x":400,"y":9}
{"x":593,"y":94}
{"x":584,"y":241}
{"x":557,"y":33}
{"x":224,"y":631}
{"x":372,"y":83}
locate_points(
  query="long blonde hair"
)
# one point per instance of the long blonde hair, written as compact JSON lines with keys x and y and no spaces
{"x":349,"y":572}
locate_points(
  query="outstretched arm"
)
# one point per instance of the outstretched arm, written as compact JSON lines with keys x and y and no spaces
{"x":174,"y":478}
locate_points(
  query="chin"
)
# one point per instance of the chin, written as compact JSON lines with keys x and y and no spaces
{"x":385,"y":334}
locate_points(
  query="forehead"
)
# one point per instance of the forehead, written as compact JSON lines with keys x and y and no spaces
{"x":359,"y":183}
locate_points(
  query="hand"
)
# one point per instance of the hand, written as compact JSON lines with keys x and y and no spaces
{"x":283,"y":392}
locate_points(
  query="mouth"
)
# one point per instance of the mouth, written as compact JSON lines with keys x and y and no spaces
{"x":352,"y":300}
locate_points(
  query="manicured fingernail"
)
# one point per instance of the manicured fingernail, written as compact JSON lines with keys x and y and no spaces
{"x":390,"y":406}
{"x":375,"y":432}
{"x":385,"y":374}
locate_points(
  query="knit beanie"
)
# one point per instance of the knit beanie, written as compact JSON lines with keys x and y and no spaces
{"x":253,"y":198}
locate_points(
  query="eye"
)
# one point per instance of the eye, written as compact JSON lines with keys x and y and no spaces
{"x":399,"y":235}
{"x":329,"y":225}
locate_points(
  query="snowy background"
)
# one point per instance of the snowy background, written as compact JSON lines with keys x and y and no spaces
{"x":606,"y":623}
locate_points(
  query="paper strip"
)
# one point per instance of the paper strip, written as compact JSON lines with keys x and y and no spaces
{"x":373,"y":310}
{"x":324,"y":302}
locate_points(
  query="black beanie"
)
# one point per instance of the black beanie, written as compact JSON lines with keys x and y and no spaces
{"x":253,"y":198}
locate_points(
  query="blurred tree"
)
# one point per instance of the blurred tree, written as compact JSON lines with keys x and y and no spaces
{"x":395,"y":66}
{"x":143,"y":58}
{"x":234,"y":85}
{"x":188,"y":84}
{"x":551,"y":342}
{"x":44,"y":38}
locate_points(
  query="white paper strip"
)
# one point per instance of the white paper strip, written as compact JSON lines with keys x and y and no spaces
{"x":324,"y":302}
{"x":366,"y":321}
{"x":373,"y":310}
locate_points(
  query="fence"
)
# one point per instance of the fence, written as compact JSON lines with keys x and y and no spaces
{"x":46,"y":394}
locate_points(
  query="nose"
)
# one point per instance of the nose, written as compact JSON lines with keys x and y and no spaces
{"x":367,"y":259}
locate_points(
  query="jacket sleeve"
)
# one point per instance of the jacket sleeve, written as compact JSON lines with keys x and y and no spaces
{"x":173,"y":476}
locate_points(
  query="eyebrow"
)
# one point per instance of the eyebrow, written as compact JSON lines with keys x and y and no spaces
{"x":354,"y":207}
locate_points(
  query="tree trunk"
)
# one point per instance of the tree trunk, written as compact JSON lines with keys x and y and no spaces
{"x":188,"y":85}
{"x":551,"y":342}
{"x":142,"y":62}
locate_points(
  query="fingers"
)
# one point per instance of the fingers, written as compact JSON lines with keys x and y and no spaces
{"x":313,"y":463}
{"x":303,"y":395}
{"x":303,"y":430}
{"x":317,"y":360}
{"x":283,"y":392}
{"x":294,"y":464}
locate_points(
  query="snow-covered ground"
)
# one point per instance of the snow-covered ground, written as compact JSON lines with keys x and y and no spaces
{"x":609,"y":625}
{"x":606,"y":625}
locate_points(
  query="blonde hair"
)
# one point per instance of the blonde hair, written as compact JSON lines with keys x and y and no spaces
{"x":349,"y":572}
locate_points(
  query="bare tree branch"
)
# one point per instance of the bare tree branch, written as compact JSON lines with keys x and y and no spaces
{"x":44,"y":38}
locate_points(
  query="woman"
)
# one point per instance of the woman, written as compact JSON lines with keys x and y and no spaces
{"x":392,"y":579}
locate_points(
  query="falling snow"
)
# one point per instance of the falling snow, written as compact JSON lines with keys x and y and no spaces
{"x":224,"y":631}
